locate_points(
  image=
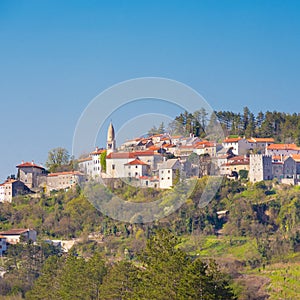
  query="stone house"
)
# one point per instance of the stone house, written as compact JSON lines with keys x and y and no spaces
{"x":28,"y":173}
{"x":63,"y":180}
{"x":260,"y":144}
{"x":282,"y":149}
{"x":234,"y":165}
{"x":260,"y":167}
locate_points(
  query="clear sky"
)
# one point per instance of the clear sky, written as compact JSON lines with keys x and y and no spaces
{"x":58,"y":55}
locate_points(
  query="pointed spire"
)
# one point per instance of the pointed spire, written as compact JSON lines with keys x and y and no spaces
{"x":110,"y":133}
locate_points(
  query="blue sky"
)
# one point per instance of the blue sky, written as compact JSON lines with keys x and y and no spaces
{"x":58,"y":55}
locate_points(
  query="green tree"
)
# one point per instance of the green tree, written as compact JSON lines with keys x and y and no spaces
{"x":103,"y":161}
{"x":46,"y":287}
{"x":120,"y":282}
{"x":58,"y":159}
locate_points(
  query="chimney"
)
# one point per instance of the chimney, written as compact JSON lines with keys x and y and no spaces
{"x":22,"y":161}
{"x":32,"y":162}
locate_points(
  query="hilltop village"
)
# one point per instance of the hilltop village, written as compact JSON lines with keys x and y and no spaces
{"x":160,"y":160}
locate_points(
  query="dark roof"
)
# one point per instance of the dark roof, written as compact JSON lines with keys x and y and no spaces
{"x":14,"y":231}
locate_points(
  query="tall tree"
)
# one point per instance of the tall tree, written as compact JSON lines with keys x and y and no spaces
{"x":58,"y":159}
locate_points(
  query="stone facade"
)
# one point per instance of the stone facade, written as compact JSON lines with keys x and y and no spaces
{"x":63,"y":180}
{"x":260,"y":167}
{"x":28,"y":173}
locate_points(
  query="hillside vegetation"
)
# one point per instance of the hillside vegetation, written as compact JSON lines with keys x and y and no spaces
{"x":253,"y":242}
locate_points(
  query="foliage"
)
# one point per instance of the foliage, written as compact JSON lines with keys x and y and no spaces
{"x":103,"y":161}
{"x":58,"y":160}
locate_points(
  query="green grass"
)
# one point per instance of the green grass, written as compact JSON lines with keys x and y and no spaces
{"x":285,"y":280}
{"x":240,"y":248}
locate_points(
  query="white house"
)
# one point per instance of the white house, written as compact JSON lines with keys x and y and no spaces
{"x":115,"y":162}
{"x":96,"y":164}
{"x":136,"y":169}
{"x":13,"y":236}
{"x":11,"y":188}
{"x":168,"y":172}
{"x":206,"y":147}
{"x":86,"y":166}
{"x":239,"y":145}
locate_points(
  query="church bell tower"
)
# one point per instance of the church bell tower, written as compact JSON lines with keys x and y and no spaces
{"x":111,"y":142}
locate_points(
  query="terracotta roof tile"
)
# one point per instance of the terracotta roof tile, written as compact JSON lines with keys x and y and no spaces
{"x":232,"y":140}
{"x":283,"y":147}
{"x":65,"y":173}
{"x":137,"y":162}
{"x":120,"y":155}
{"x":29,"y":165}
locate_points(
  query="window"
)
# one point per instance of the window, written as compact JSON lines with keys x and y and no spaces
{"x":136,"y":167}
{"x":136,"y":173}
{"x":162,"y":178}
{"x":169,"y":178}
{"x":169,"y":171}
{"x":113,"y":167}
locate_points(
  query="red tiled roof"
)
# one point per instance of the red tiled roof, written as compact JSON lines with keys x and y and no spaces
{"x":154,"y":148}
{"x":29,"y":165}
{"x":14,"y":231}
{"x":65,"y":173}
{"x":149,"y":178}
{"x":121,"y":155}
{"x":137,"y":162}
{"x":283,"y":147}
{"x":143,"y":153}
{"x":168,"y":146}
{"x":232,"y":140}
{"x":99,"y":151}
{"x":204,"y":144}
{"x":261,"y":140}
{"x":176,"y":136}
{"x":8,"y":181}
{"x":241,"y":163}
{"x":296,"y":157}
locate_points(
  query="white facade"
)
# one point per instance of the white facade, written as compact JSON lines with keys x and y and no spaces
{"x":168,"y":171}
{"x":136,"y":169}
{"x":115,"y":164}
{"x":239,"y":146}
{"x":13,"y":236}
{"x":86,"y":166}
